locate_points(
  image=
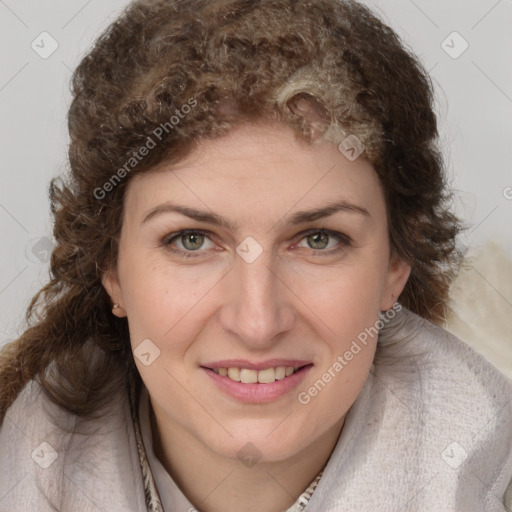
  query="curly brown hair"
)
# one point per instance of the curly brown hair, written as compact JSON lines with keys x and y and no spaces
{"x":230,"y":61}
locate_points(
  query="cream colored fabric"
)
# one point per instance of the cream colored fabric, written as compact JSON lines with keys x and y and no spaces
{"x":481,"y":309}
{"x":53,"y":461}
{"x":481,"y":302}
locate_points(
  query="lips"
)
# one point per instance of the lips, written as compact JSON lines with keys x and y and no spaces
{"x":257,"y":382}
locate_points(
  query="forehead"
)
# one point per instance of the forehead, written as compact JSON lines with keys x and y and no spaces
{"x":263,"y":170}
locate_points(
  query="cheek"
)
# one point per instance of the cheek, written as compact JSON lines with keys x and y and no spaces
{"x":346,"y":310}
{"x":346,"y":297}
{"x":165,"y":303}
{"x":349,"y":312}
{"x":167,"y":306}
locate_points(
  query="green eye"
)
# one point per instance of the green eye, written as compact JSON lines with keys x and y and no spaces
{"x":321,"y":239}
{"x":318,"y":240}
{"x":186,"y":243}
{"x":192,"y":241}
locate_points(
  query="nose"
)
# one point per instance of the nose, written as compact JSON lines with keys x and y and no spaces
{"x":257,"y":309}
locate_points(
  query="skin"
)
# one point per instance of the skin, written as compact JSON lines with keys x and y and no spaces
{"x":305,"y":297}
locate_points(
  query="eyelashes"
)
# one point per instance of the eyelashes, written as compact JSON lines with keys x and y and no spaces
{"x":187,"y":235}
{"x":192,"y":242}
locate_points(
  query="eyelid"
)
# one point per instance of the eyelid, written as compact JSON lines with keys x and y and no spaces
{"x":344,"y":239}
{"x":332,"y":232}
{"x":167,"y":238}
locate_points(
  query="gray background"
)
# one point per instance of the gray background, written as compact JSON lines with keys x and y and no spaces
{"x":474,"y":91}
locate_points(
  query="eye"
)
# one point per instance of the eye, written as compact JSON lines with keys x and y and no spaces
{"x":185,"y":242}
{"x":322,"y":239}
{"x":195,"y":242}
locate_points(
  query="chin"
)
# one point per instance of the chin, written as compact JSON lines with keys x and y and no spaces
{"x":260,"y":441}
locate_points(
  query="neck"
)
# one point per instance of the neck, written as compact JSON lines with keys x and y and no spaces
{"x":213,"y":483}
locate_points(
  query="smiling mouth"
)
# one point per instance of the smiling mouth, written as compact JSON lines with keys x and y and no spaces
{"x":264,"y":376}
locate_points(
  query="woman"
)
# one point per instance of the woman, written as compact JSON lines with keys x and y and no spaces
{"x":252,"y":245}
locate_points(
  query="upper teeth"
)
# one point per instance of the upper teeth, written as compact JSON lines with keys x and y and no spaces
{"x":265,"y":376}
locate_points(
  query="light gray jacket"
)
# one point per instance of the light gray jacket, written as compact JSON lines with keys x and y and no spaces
{"x":430,"y":431}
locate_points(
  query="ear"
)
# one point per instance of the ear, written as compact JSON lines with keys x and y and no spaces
{"x":110,"y":282}
{"x":397,"y":275}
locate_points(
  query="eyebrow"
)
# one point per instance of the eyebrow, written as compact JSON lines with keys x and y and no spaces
{"x":297,"y":218}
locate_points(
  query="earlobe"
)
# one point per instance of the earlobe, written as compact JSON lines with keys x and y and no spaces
{"x":398,"y":274}
{"x":110,"y":282}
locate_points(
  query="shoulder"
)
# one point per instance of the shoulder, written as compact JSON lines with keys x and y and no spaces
{"x":51,"y":459}
{"x":459,"y":405}
{"x":415,"y":350}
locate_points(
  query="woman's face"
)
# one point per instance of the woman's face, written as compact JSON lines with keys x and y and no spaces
{"x":285,"y":260}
